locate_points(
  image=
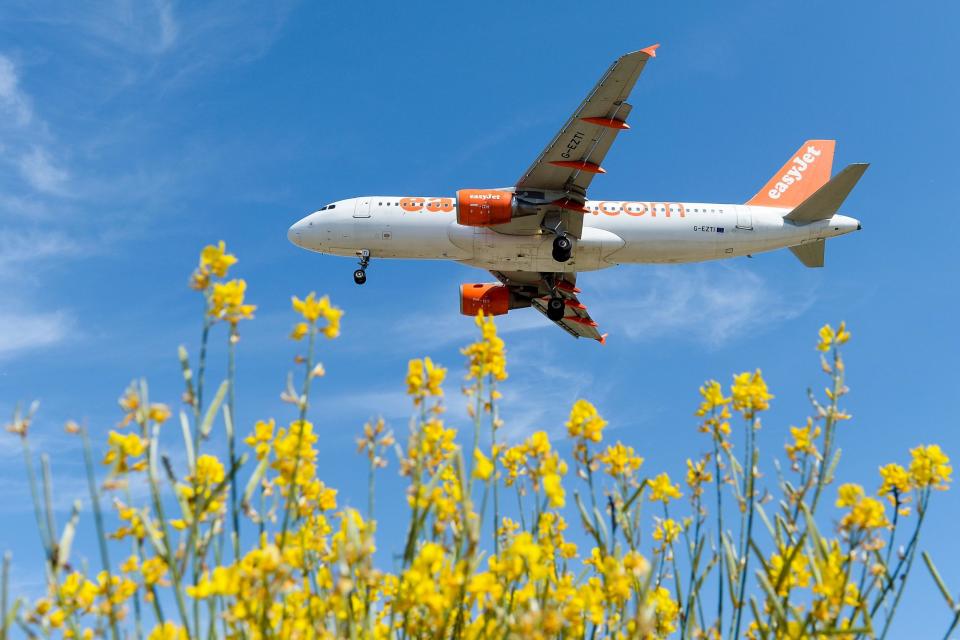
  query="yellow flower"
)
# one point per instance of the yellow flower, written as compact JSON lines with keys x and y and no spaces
{"x":153,"y":571}
{"x":834,"y":589}
{"x":796,"y":576}
{"x":216,"y":260}
{"x":553,"y":488}
{"x":666,"y":610}
{"x":121,"y":449}
{"x":487,"y":356}
{"x":713,"y":398}
{"x":803,"y":440}
{"x":168,"y":631}
{"x":227,"y":302}
{"x":849,"y":494}
{"x":749,"y":391}
{"x":424,"y":379}
{"x":865,"y":512}
{"x":896,"y":480}
{"x":698,"y":475}
{"x":130,"y":565}
{"x":663,"y":490}
{"x":159,"y":413}
{"x":930,"y":467}
{"x":135,"y":526}
{"x":299,"y":330}
{"x":482,"y":465}
{"x":585,"y":423}
{"x":830,"y":338}
{"x":312,"y":309}
{"x":868,"y":513}
{"x":667,"y":531}
{"x":620,"y":460}
{"x":209,"y":471}
{"x":261,"y":438}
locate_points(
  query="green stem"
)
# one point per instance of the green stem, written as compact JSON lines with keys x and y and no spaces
{"x":231,"y":436}
{"x":746,"y":536}
{"x":304,"y":404}
{"x":98,"y":521}
{"x":911,"y":554}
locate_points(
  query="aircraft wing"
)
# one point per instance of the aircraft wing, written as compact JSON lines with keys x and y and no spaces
{"x":576,"y":153}
{"x":531,"y":286}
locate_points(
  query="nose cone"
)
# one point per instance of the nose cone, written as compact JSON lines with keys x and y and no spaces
{"x":295,"y":232}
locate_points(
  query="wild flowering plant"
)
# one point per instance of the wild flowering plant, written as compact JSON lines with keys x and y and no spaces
{"x":503,"y":539}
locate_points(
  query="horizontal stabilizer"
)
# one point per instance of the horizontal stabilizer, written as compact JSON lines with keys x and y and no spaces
{"x":826,"y":200}
{"x":810,"y":254}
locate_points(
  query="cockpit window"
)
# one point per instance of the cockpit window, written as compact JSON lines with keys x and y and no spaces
{"x":329,"y":206}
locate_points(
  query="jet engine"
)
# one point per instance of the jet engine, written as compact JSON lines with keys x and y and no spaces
{"x":484,"y":207}
{"x":492,"y":298}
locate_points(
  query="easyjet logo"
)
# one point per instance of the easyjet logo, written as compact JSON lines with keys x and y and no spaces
{"x":795,"y":173}
{"x":605,"y":207}
{"x":484,"y":196}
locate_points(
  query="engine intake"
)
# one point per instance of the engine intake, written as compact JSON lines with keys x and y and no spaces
{"x":484,"y":207}
{"x":492,"y":298}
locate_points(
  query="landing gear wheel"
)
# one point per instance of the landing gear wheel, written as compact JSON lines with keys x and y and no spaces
{"x":562,"y":248}
{"x":556,"y":308}
{"x":360,"y":275}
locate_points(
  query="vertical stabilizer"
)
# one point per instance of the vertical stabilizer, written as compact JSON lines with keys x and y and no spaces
{"x":805,"y":172}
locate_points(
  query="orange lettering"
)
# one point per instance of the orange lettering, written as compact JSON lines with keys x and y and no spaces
{"x":635,"y":209}
{"x":411,"y":204}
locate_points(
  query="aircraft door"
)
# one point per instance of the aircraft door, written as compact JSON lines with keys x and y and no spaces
{"x":362,"y":209}
{"x":744,"y":217}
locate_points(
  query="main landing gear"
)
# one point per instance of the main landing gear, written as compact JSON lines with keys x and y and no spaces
{"x":556,"y":308}
{"x":360,"y":275}
{"x":562,"y":248}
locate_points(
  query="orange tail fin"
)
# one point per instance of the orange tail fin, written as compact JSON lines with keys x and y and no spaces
{"x":805,"y":172}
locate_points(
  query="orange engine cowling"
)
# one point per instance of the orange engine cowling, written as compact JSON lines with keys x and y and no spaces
{"x":484,"y":207}
{"x":492,"y":297}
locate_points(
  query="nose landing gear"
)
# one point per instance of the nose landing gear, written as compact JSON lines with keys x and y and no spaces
{"x":360,"y":275}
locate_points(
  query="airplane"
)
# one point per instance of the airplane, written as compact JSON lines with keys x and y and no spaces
{"x":535,"y":236}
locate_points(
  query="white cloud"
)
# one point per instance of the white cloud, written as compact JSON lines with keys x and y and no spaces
{"x":14,"y":103}
{"x":40,"y":171}
{"x":19,"y":248}
{"x":28,"y":330}
{"x":26,"y":138}
{"x":168,"y":24}
{"x":709,"y":304}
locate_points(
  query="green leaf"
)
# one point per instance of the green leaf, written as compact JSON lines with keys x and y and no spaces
{"x":69,"y":531}
{"x":187,"y":441}
{"x":207,"y":424}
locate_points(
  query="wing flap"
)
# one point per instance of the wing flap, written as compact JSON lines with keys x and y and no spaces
{"x":576,"y":321}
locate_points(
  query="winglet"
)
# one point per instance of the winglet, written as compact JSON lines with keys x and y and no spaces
{"x":651,"y":50}
{"x":603,"y":338}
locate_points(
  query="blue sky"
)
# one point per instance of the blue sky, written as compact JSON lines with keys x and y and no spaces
{"x":131,"y":134}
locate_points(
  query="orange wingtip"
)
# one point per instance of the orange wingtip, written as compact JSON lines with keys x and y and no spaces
{"x":609,"y":123}
{"x":651,"y":50}
{"x":603,"y":339}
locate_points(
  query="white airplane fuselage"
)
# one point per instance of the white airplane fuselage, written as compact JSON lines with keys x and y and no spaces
{"x":614,"y":232}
